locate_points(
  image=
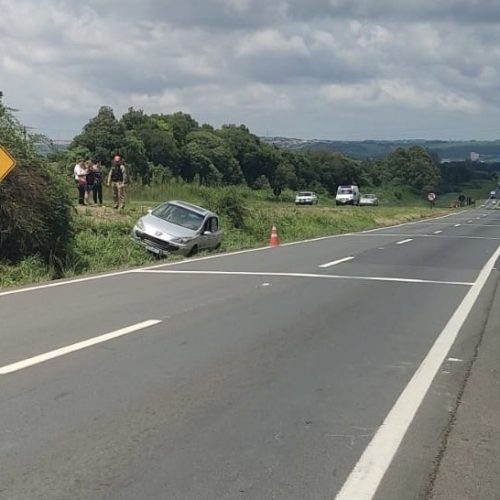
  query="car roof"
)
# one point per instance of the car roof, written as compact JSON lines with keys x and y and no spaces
{"x":192,"y":207}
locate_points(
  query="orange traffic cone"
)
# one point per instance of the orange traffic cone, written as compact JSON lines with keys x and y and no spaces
{"x":274,"y":240}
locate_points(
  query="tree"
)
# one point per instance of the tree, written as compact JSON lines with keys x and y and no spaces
{"x":159,"y":142}
{"x":283,"y":177}
{"x":182,"y":124}
{"x":134,"y":152}
{"x":219,"y":154}
{"x":413,"y":167}
{"x":103,"y":135}
{"x":134,"y":119}
{"x":35,"y":207}
{"x":199,"y":165}
{"x":252,"y":155}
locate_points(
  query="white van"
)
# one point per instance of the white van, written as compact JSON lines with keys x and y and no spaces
{"x":347,"y":195}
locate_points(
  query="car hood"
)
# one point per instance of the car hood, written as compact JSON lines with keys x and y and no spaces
{"x":154,"y":225}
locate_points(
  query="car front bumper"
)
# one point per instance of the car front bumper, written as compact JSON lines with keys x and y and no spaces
{"x":156,"y":245}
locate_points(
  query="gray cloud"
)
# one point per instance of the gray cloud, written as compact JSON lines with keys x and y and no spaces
{"x":337,"y":67}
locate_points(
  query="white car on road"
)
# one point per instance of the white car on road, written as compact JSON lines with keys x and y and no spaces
{"x":370,"y":200}
{"x":306,"y":198}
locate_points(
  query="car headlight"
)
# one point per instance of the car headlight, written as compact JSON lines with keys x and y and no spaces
{"x":182,"y":241}
{"x":140,"y":225}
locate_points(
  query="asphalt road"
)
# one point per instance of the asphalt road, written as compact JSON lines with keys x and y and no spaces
{"x":264,"y":375}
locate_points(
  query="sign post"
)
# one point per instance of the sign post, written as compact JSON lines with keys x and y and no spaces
{"x":7,"y":163}
{"x":432,"y":198}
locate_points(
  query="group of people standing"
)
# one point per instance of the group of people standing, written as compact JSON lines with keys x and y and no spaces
{"x":89,"y":179}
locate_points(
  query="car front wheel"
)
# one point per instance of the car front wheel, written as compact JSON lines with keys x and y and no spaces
{"x":193,"y":251}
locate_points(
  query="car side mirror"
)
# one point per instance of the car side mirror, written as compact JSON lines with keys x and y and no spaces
{"x":207,"y":233}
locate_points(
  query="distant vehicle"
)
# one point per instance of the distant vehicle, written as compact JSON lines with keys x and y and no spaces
{"x":178,"y":226}
{"x":493,"y":194}
{"x":306,"y":198}
{"x":368,"y":200}
{"x":347,"y":195}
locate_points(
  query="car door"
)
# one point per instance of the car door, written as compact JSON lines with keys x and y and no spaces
{"x":211,"y":233}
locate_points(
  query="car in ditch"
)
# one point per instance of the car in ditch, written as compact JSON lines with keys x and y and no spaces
{"x":180,"y":227}
{"x":306,"y":198}
{"x":368,"y":200}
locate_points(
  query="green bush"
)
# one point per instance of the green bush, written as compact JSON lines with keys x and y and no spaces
{"x":228,"y":202}
{"x":35,"y":205}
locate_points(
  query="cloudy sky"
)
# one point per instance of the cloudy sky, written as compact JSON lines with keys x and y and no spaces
{"x":331,"y":69}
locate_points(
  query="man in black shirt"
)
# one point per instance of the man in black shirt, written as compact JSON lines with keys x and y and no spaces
{"x":118,"y":179}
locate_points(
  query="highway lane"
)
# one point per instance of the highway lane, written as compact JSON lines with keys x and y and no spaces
{"x":261,"y":385}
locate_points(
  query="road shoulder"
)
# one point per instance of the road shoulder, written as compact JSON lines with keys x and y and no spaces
{"x":434,"y":452}
{"x":470,"y":461}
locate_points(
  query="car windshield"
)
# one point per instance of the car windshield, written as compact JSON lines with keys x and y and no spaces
{"x":305,"y":193}
{"x":179,"y":216}
{"x":345,"y":191}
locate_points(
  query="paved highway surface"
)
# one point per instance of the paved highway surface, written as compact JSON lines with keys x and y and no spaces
{"x":278,"y":373}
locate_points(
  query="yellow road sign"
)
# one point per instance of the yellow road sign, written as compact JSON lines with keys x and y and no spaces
{"x":7,"y":163}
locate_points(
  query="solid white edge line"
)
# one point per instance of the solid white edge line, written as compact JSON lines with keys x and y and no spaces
{"x":335,"y":262}
{"x":363,"y":481}
{"x":303,"y":275}
{"x":402,"y":242}
{"x":216,"y":256}
{"x":62,"y":351}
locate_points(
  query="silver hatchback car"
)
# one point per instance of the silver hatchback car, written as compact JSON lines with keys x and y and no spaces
{"x":178,"y":226}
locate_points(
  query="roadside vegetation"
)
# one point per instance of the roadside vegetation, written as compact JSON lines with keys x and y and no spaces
{"x":102,"y":240}
{"x":250,"y":184}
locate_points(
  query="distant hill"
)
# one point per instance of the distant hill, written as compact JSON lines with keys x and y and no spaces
{"x":48,"y":146}
{"x":452,"y":150}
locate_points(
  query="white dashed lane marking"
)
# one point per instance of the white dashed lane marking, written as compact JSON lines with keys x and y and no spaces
{"x":335,"y":262}
{"x":35,"y":360}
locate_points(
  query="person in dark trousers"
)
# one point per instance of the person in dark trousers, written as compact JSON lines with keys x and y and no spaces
{"x":90,"y":181}
{"x":118,"y":179}
{"x":80,"y":175}
{"x":97,"y":187}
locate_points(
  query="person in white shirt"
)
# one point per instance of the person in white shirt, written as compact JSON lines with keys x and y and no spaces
{"x":80,"y":173}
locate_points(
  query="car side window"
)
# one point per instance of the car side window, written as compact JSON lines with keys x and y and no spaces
{"x":212,"y":225}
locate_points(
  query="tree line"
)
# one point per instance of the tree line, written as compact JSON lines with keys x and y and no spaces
{"x":160,"y":147}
